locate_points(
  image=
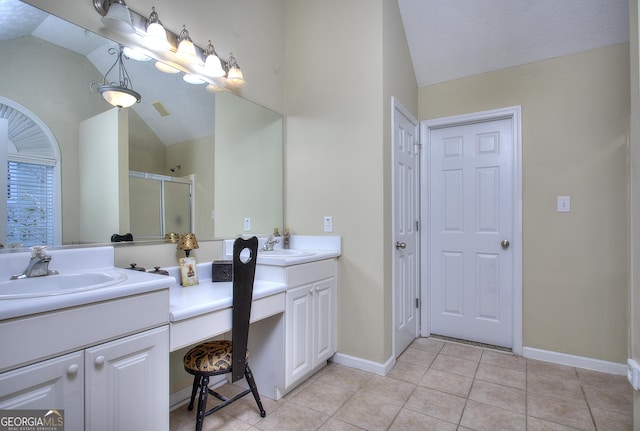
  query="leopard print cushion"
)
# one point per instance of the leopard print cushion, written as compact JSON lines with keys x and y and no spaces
{"x":209,"y":357}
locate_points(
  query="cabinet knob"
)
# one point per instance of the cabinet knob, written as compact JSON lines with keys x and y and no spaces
{"x":73,"y":369}
{"x":100,"y":360}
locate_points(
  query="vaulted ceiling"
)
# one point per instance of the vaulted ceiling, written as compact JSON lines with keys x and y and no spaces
{"x":451,"y":39}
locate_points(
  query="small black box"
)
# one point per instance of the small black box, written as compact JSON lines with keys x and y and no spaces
{"x":221,"y":270}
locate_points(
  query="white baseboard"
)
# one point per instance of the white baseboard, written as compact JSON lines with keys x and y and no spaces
{"x":575,"y":361}
{"x":364,"y":364}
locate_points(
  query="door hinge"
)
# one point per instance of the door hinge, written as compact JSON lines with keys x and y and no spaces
{"x":417,"y":225}
{"x":417,"y":302}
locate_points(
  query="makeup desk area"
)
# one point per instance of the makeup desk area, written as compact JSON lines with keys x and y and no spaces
{"x":293,"y":315}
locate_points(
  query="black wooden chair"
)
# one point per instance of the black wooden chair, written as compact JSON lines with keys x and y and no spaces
{"x":228,"y":356}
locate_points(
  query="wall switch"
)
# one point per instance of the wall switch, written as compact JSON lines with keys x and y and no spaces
{"x":328,"y":224}
{"x":564,"y":204}
{"x":247,"y":224}
{"x":633,"y":374}
{"x":213,"y":214}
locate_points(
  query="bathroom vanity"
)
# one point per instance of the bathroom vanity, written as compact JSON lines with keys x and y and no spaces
{"x":293,"y":315}
{"x":101,"y":352}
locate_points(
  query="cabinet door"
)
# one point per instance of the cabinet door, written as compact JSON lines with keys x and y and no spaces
{"x":324,"y":320}
{"x":127,"y":383}
{"x":299,"y":359}
{"x":57,"y":383}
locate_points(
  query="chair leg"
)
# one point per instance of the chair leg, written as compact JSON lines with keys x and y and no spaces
{"x":254,"y":389}
{"x":196,"y":384}
{"x":202,"y":402}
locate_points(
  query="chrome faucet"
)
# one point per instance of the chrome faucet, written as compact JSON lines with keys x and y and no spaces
{"x":38,"y":265}
{"x":269,"y":243}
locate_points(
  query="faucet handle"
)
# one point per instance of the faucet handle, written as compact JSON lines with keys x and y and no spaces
{"x":38,"y":250}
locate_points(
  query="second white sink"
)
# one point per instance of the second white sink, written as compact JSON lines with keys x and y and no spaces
{"x":285,"y":253}
{"x":58,"y":284}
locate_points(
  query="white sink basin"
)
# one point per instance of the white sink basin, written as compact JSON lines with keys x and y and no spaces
{"x":280,"y":253}
{"x":58,"y":284}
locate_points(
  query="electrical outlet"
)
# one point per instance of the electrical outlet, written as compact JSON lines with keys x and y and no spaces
{"x":247,"y":224}
{"x":328,"y":224}
{"x":564,"y":204}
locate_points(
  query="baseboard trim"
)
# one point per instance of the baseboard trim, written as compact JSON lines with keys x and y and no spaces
{"x":575,"y":361}
{"x":364,"y":364}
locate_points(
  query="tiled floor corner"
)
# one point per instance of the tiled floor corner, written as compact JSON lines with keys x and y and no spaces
{"x":438,"y":385}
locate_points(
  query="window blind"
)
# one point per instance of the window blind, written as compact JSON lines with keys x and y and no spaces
{"x":30,"y":204}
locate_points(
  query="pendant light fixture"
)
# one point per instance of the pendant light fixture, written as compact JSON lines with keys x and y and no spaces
{"x":120,"y":93}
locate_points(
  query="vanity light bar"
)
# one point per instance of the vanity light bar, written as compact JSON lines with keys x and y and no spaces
{"x":139,"y":22}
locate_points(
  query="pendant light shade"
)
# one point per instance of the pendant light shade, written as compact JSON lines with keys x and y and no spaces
{"x":118,"y":17}
{"x":119,"y":96}
{"x":119,"y":93}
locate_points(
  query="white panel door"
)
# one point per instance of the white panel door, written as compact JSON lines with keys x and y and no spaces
{"x":471,"y":203}
{"x":406,"y":212}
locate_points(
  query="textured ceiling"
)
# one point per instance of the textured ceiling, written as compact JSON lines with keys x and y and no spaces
{"x":451,"y":39}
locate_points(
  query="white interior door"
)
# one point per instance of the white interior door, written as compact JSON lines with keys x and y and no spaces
{"x":471,"y":230}
{"x":406,"y":211}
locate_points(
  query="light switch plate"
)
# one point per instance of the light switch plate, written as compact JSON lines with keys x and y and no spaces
{"x":564,"y":204}
{"x":247,"y":224}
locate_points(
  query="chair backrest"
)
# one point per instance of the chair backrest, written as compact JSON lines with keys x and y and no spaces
{"x":244,"y":271}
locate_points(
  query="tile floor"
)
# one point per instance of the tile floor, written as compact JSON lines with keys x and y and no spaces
{"x":437,"y":385}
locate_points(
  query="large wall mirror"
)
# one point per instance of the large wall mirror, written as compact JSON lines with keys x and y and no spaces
{"x":228,"y":149}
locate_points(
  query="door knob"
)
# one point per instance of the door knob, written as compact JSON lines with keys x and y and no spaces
{"x":505,"y":244}
{"x":401,"y":245}
{"x":100,"y":360}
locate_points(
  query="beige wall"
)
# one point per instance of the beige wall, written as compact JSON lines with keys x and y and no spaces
{"x":634,"y":162}
{"x":146,"y":150}
{"x":574,"y":125}
{"x":337,"y":99}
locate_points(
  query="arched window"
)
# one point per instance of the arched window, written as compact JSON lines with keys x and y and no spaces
{"x":30,"y":165}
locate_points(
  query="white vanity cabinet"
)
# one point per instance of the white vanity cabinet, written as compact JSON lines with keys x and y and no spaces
{"x":310,"y":314}
{"x":117,"y":385}
{"x":105,"y":363}
{"x":55,"y":383}
{"x":126,"y":383}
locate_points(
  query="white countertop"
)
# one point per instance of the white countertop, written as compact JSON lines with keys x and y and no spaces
{"x":136,"y":282}
{"x":312,"y":248}
{"x":208,"y":296}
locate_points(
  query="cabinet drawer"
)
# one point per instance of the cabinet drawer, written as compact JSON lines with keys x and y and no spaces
{"x":309,"y":272}
{"x":55,"y":333}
